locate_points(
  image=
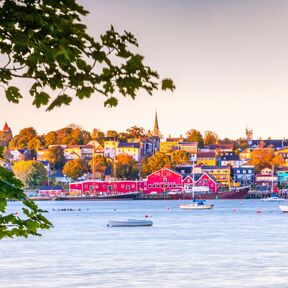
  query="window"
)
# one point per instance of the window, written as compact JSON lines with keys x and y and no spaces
{"x":165,"y":179}
{"x":149,"y":186}
{"x":238,"y":171}
{"x":127,"y":187}
{"x":122,"y":185}
{"x":109,"y":187}
{"x":244,"y":171}
{"x":250,"y":171}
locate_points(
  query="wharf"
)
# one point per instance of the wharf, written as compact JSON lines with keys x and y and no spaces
{"x":256,"y":194}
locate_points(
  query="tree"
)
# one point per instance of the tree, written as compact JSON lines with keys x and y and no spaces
{"x":12,"y":224}
{"x":98,"y":135}
{"x":99,"y":164}
{"x":262,"y":157}
{"x":46,"y":43}
{"x":21,"y":140}
{"x":51,"y":139}
{"x":36,"y":143}
{"x":180,"y":157}
{"x":126,"y":167}
{"x":75,"y":168}
{"x":123,"y":137}
{"x":195,"y":136}
{"x":210,"y":138}
{"x":136,"y":132}
{"x":112,"y":134}
{"x":55,"y":156}
{"x":157,"y":161}
{"x":31,"y":173}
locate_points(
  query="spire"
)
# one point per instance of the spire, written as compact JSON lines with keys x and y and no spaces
{"x":156,"y":131}
{"x":6,"y":127}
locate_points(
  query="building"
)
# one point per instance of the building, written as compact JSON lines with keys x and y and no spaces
{"x":200,"y":180}
{"x":245,"y":155}
{"x":206,"y":158}
{"x":265,"y":178}
{"x":282,"y":177}
{"x":190,"y":147}
{"x":91,"y":187}
{"x":230,"y":158}
{"x":284,"y":153}
{"x":110,"y":147}
{"x":276,"y":144}
{"x":50,"y":191}
{"x":218,"y":148}
{"x":131,"y":149}
{"x":222,"y":174}
{"x":245,"y":175}
{"x":5,"y":135}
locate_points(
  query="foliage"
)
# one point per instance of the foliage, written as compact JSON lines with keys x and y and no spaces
{"x":98,"y":135}
{"x":55,"y":156}
{"x":126,"y":167}
{"x":45,"y":42}
{"x":194,"y":135}
{"x":210,"y":138}
{"x":12,"y":224}
{"x":136,"y":132}
{"x":262,"y":157}
{"x":31,"y":173}
{"x":22,"y":140}
{"x":75,"y":168}
{"x":157,"y":161}
{"x":98,"y":164}
{"x":180,"y":157}
{"x":112,"y":134}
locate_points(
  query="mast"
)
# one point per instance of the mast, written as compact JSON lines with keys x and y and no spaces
{"x":193,"y":178}
{"x":93,"y":167}
{"x":272,"y":179}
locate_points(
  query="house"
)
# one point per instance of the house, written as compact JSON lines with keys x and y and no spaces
{"x":162,"y":180}
{"x":245,"y":175}
{"x":282,"y":177}
{"x":103,"y":187}
{"x":131,"y":149}
{"x":200,"y":180}
{"x":218,"y":148}
{"x":50,"y":191}
{"x":265,"y":178}
{"x":245,"y":155}
{"x":21,"y":154}
{"x":190,"y":147}
{"x":222,"y":174}
{"x":206,"y":158}
{"x":110,"y":147}
{"x":275,"y":143}
{"x":168,"y":146}
{"x":284,"y":153}
{"x":230,"y":158}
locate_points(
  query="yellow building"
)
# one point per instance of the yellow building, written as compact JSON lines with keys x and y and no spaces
{"x":284,"y":153}
{"x":245,"y":154}
{"x":168,"y":146}
{"x":222,"y":174}
{"x":206,"y":158}
{"x":132,"y":149}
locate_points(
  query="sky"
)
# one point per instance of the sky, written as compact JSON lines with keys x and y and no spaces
{"x":228,"y":59}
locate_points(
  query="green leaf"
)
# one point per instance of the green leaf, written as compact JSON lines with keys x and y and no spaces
{"x":168,"y":84}
{"x":41,"y":98}
{"x":111,"y":102}
{"x":60,"y":100}
{"x":13,"y":94}
{"x":84,"y":92}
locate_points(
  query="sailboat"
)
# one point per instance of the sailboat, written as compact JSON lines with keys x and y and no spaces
{"x":196,"y":204}
{"x":274,"y":197}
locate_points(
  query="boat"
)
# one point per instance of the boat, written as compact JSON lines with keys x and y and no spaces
{"x":129,"y":223}
{"x":113,"y":196}
{"x":273,"y":198}
{"x":283,"y":208}
{"x":196,"y":205}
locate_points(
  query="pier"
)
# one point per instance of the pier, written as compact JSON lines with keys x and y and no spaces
{"x":264,"y":194}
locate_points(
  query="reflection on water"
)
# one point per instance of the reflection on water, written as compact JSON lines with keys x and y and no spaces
{"x":229,"y":246}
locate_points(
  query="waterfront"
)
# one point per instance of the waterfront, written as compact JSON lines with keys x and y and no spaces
{"x":229,"y":246}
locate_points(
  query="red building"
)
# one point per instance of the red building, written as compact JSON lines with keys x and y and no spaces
{"x":105,"y":187}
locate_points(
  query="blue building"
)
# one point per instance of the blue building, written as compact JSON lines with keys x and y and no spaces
{"x":244,"y":175}
{"x":282,"y":177}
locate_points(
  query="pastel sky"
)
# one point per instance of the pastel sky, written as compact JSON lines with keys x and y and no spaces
{"x":228,"y":58}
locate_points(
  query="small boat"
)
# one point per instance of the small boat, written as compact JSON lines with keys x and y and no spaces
{"x":283,"y":208}
{"x":196,"y":205}
{"x":273,"y":198}
{"x":129,"y":223}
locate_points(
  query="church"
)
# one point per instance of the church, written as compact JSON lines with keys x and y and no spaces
{"x":5,"y":135}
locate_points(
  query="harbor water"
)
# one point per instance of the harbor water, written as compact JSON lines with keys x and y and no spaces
{"x":236,"y":244}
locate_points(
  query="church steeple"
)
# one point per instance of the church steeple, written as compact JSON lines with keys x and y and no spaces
{"x":156,"y":131}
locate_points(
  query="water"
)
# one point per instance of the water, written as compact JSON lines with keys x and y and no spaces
{"x":229,"y":246}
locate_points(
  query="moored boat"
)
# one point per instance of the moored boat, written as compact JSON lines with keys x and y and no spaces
{"x":273,"y":199}
{"x":283,"y":208}
{"x":196,"y":205}
{"x":129,"y":223}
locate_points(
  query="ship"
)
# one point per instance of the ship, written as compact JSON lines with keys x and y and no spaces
{"x":234,"y":193}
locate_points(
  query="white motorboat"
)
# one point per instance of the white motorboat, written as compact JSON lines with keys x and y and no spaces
{"x":129,"y":223}
{"x":283,"y":208}
{"x":199,"y":205}
{"x":273,"y":199}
